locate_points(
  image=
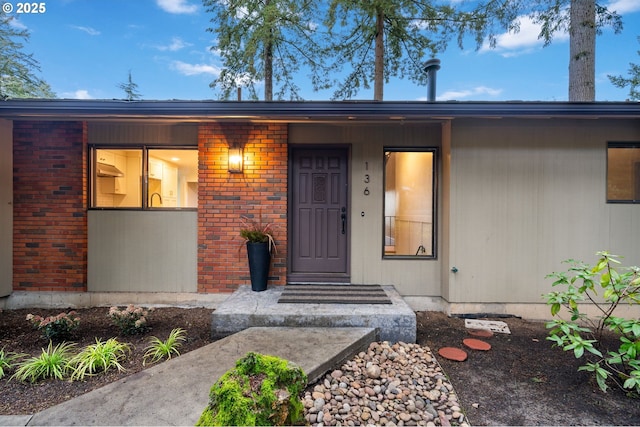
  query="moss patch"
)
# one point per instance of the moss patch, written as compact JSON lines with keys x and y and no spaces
{"x":261,"y":390}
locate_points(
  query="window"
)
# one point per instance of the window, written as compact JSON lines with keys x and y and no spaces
{"x":409,"y":203}
{"x":623,"y":172}
{"x":144,"y":178}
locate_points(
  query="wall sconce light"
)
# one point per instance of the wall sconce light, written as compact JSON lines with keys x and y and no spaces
{"x":235,"y":159}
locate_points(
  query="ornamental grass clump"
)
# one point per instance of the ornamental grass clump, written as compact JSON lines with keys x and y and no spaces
{"x":583,"y":333}
{"x":52,"y":363}
{"x":261,"y":390}
{"x":131,"y":320}
{"x":59,"y":327}
{"x":99,"y":357}
{"x":158,"y":349}
{"x":7,"y":361}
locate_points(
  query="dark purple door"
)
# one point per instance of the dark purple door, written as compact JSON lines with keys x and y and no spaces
{"x":319,"y":215}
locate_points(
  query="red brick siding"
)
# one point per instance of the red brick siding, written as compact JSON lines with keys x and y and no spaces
{"x":50,"y":221}
{"x":224,"y":197}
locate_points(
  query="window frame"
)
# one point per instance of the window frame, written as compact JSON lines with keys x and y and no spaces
{"x":625,"y":145}
{"x":434,"y":202}
{"x":144,"y":190}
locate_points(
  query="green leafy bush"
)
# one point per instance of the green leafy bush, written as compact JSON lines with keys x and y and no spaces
{"x":131,"y":320}
{"x":261,"y":390}
{"x":98,"y":357}
{"x":158,"y":349}
{"x":57,"y":327}
{"x":52,"y":363}
{"x":582,"y":334}
{"x":7,"y":360}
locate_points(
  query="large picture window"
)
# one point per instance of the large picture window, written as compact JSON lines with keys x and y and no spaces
{"x":623,"y":172}
{"x":144,"y":178}
{"x":409,"y":203}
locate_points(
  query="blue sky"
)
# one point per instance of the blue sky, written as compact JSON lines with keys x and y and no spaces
{"x":87,"y":47}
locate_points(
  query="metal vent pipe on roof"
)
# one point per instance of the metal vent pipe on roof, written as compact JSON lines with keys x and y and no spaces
{"x":431,"y":67}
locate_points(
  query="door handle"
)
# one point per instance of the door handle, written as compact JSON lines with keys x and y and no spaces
{"x":343,"y":217}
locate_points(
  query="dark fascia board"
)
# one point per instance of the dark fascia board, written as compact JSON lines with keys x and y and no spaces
{"x":184,"y":110}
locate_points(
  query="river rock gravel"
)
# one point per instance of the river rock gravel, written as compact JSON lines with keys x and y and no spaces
{"x":400,"y":384}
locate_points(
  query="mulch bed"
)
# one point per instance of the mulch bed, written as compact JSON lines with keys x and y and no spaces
{"x":521,"y":380}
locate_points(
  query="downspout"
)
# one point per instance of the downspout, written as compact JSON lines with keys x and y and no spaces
{"x":431,"y":67}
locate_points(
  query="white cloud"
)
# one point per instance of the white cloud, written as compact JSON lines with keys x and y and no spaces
{"x":194,"y":69}
{"x":177,"y":6}
{"x":78,"y":94}
{"x":524,"y":41}
{"x":176,"y":44}
{"x":624,"y":6}
{"x":88,"y":30}
{"x":475,"y":93}
{"x":13,"y":21}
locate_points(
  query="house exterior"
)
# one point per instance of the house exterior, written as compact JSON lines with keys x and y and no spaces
{"x":464,"y":207}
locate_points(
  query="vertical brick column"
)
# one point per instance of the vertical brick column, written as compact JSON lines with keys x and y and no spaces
{"x":224,"y":197}
{"x":50,"y":209}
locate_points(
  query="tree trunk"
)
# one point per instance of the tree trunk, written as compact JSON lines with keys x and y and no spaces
{"x":268,"y":57}
{"x":268,"y":71}
{"x":378,"y":83}
{"x":582,"y":51}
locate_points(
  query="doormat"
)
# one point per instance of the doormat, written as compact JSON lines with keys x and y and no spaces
{"x":333,"y":294}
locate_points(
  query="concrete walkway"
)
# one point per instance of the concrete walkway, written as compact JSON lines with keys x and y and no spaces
{"x":176,"y":392}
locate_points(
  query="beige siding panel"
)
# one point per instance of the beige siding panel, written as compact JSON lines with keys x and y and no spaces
{"x":6,"y":207}
{"x":624,"y":229}
{"x":138,"y":133}
{"x":367,"y":141}
{"x":136,"y":251}
{"x":527,"y":195}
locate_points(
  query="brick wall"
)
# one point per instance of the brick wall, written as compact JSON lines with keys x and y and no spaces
{"x":50,"y":223}
{"x":224,"y":197}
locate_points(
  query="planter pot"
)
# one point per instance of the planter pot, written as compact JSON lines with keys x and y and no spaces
{"x":259,"y":262}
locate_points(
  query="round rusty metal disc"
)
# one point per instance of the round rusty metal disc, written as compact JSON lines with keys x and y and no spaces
{"x":475,"y":344}
{"x":453,"y":353}
{"x":482,"y":333}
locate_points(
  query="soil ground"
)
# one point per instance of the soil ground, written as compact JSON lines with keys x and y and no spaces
{"x":522,"y":380}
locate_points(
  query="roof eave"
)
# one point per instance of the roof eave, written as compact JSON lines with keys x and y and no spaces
{"x":307,"y":110}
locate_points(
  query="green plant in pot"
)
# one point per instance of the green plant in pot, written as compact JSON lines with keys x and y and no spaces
{"x":260,"y":243}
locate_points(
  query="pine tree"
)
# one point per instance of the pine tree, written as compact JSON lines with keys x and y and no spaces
{"x":17,"y":69}
{"x":378,"y":39}
{"x":633,"y":81}
{"x":583,"y":20}
{"x":130,"y":89}
{"x":265,"y":41}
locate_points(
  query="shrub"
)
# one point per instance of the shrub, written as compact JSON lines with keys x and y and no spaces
{"x":582,"y":334}
{"x":57,"y":327}
{"x":260,"y":390}
{"x":131,"y":320}
{"x":52,"y":363}
{"x":98,"y":357}
{"x":7,"y":360}
{"x":158,"y":349}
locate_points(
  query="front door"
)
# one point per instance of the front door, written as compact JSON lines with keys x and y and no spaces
{"x":319,"y":229}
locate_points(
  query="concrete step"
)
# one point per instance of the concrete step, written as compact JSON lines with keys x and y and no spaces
{"x":245,"y":309}
{"x":177,"y":391}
